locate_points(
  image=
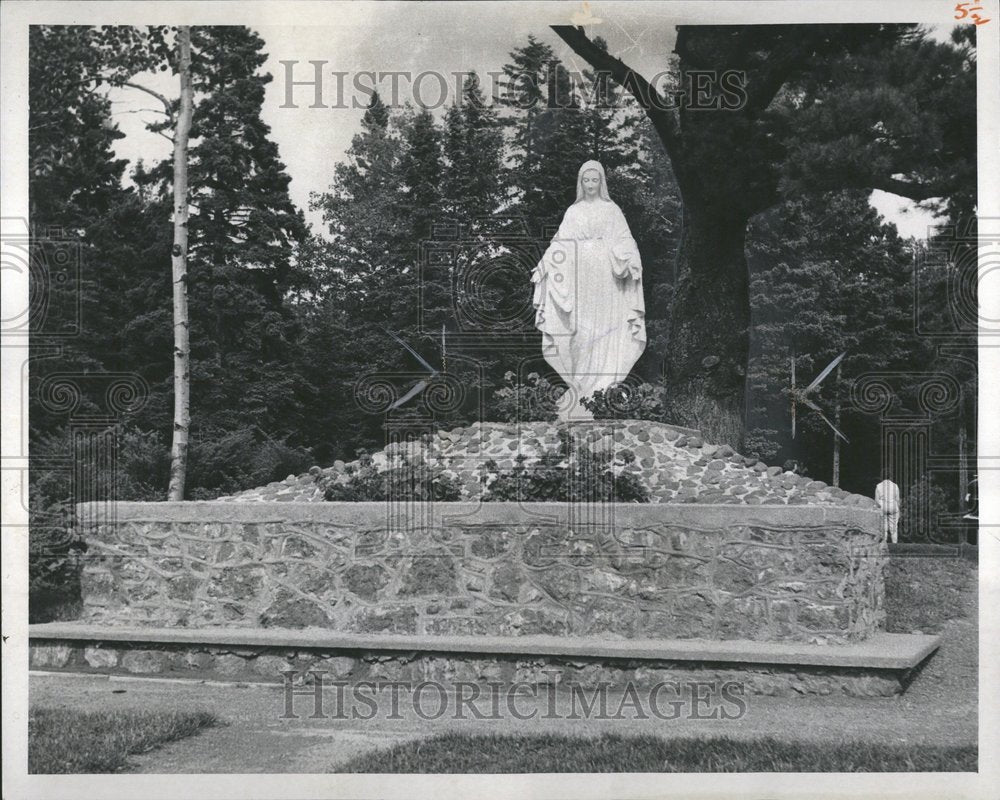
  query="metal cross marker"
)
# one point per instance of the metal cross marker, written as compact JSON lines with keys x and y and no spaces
{"x":420,"y":385}
{"x":802,"y":396}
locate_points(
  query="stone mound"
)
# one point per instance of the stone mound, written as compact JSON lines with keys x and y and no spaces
{"x":675,"y":464}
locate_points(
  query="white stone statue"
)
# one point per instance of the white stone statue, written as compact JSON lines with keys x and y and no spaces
{"x":588,"y":295}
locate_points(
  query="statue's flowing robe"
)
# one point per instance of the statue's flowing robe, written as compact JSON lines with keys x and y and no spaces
{"x":588,"y":299}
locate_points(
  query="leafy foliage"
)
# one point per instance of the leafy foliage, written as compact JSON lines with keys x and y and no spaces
{"x":571,"y":473}
{"x":534,"y":400}
{"x":403,"y":480}
{"x":54,"y":562}
{"x":625,"y":401}
{"x":921,"y":508}
{"x":828,"y":275}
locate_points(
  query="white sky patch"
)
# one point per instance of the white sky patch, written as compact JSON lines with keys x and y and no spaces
{"x":909,"y":218}
{"x":415,"y":38}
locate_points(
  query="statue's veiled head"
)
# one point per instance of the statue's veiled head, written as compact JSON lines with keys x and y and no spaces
{"x":591,"y":182}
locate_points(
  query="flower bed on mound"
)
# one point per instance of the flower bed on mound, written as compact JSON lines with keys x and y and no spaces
{"x":676,"y":465}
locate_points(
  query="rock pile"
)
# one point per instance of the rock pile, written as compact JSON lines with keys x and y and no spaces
{"x":675,"y":464}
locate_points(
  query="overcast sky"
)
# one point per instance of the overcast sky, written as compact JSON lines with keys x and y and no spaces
{"x":415,"y":38}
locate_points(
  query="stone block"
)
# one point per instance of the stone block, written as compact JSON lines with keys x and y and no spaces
{"x":200,"y":661}
{"x":42,"y":656}
{"x":490,"y":543}
{"x":294,"y":611}
{"x":270,"y":666}
{"x":231,"y":665}
{"x":429,"y":575}
{"x":183,"y":587}
{"x":387,"y":619}
{"x":341,"y":666}
{"x":144,"y":662}
{"x":100,"y":657}
{"x":507,"y":583}
{"x":365,"y":580}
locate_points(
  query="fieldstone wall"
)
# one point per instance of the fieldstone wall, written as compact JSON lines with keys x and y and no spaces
{"x":767,"y":573}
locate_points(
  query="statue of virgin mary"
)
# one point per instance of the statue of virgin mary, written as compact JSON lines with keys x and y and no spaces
{"x":588,"y":295}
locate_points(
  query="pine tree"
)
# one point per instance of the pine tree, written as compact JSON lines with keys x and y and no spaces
{"x":361,"y":208}
{"x":473,"y":183}
{"x":549,"y":137}
{"x":828,"y":276}
{"x":421,"y":172}
{"x":79,"y":207}
{"x":370,"y":283}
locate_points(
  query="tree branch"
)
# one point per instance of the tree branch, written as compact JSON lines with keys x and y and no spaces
{"x":790,"y":48}
{"x":774,"y":73}
{"x":651,"y":101}
{"x":908,"y":189}
{"x":166,"y":103}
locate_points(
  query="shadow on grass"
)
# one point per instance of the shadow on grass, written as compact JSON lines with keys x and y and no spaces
{"x":456,"y":753}
{"x":66,"y":741}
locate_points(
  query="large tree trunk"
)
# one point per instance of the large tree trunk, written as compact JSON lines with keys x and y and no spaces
{"x":708,"y":343}
{"x":182,"y":367}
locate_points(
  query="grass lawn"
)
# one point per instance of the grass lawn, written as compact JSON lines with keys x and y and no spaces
{"x":454,"y":753}
{"x":921,"y":594}
{"x":65,"y":741}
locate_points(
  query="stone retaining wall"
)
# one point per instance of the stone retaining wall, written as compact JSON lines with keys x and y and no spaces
{"x":765,"y":573}
{"x":269,"y":664}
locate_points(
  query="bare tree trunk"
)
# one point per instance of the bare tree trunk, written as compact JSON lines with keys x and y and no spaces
{"x":836,"y":423}
{"x":182,"y":368}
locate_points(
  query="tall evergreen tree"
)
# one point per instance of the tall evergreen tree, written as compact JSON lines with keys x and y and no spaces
{"x":421,"y":171}
{"x":829,"y":275}
{"x":548,"y":134}
{"x":473,"y":183}
{"x":88,"y":231}
{"x":362,"y":208}
{"x":371,"y":280}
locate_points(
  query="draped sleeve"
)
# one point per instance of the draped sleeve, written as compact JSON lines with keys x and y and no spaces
{"x":625,"y":261}
{"x":627,"y":266}
{"x":554,"y":277}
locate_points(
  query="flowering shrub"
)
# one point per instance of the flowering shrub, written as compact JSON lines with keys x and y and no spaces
{"x":570,"y":473}
{"x":401,"y":481}
{"x":535,"y":400}
{"x":628,"y":401}
{"x":923,"y":497}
